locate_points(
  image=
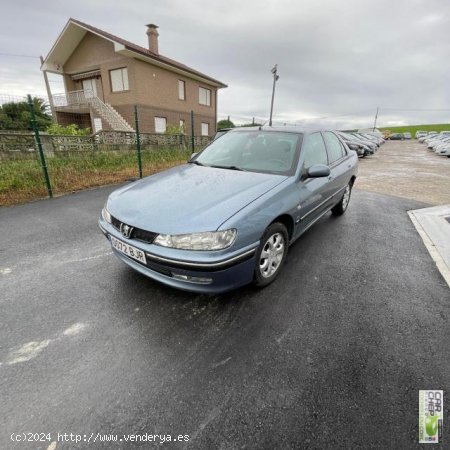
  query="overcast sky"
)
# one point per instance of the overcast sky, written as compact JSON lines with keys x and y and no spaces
{"x":337,"y":60}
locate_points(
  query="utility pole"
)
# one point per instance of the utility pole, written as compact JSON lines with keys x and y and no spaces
{"x":376,"y":117}
{"x":275,"y":79}
{"x":49,"y":93}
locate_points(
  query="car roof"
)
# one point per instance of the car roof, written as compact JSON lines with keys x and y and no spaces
{"x":287,"y":129}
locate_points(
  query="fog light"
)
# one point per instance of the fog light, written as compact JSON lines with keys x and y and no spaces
{"x":188,"y":278}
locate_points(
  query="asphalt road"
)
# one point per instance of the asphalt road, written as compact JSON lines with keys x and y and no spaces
{"x":332,"y":355}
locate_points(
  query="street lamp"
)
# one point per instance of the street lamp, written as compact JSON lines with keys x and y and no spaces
{"x":275,"y":79}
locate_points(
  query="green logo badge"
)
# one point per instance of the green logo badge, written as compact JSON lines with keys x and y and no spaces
{"x":431,"y":406}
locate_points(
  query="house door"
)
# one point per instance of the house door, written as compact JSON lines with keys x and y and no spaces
{"x":89,"y":88}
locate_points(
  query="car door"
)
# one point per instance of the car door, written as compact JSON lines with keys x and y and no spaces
{"x":313,"y":193}
{"x":339,"y":162}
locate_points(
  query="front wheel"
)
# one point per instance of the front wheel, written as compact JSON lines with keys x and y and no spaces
{"x":341,"y":207}
{"x":271,"y":254}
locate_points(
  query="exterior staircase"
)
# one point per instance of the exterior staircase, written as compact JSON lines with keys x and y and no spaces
{"x":110,"y":115}
{"x":73,"y":100}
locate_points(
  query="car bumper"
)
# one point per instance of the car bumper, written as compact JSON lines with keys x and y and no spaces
{"x":214,"y":274}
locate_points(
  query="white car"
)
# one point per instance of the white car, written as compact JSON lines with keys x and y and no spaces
{"x":421,"y":133}
{"x":444,"y":151}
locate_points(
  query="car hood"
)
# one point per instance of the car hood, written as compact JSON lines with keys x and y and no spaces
{"x":188,"y":198}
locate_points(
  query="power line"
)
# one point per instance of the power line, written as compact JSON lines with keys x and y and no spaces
{"x":18,"y":56}
{"x":412,"y":110}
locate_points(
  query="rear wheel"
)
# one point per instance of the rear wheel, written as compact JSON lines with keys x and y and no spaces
{"x":341,"y":207}
{"x":271,"y":254}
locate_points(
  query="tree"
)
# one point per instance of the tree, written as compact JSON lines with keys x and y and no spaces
{"x":17,"y":116}
{"x":224,"y":124}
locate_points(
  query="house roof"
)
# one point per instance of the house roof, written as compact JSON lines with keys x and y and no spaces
{"x":75,"y":30}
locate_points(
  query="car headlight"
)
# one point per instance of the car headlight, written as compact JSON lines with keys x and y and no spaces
{"x":106,"y":215}
{"x":209,"y":240}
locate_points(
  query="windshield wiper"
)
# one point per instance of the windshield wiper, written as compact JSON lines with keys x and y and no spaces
{"x":196,"y":162}
{"x":229,"y":168}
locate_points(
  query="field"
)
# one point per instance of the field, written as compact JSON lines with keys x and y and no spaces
{"x":22,"y":180}
{"x":413,"y":128}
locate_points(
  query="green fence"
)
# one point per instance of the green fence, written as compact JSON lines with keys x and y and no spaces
{"x":37,"y":165}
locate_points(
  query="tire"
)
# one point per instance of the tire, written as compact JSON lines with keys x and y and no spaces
{"x":271,"y":254}
{"x":341,"y":207}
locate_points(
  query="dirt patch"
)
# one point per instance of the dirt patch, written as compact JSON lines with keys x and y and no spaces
{"x":407,"y":169}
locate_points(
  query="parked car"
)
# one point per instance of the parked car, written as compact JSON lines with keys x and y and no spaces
{"x":372,"y":145}
{"x":221,"y":132}
{"x":228,"y":216}
{"x":407,"y":135}
{"x":420,"y":134}
{"x":397,"y":137}
{"x":352,"y":143}
{"x":438,"y":143}
{"x":444,"y":151}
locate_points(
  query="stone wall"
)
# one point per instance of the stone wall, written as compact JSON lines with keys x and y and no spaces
{"x":21,"y":145}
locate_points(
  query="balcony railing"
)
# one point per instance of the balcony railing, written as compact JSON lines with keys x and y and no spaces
{"x":73,"y":98}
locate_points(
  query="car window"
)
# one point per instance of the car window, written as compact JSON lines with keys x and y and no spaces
{"x":314,"y":151}
{"x":334,"y":147}
{"x":257,"y":151}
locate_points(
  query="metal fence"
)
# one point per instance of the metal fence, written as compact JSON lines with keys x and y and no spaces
{"x":34,"y":164}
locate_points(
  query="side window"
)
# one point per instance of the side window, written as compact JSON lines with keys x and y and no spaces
{"x":314,"y":151}
{"x":334,"y":147}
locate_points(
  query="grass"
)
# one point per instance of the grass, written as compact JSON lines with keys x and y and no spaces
{"x":22,"y":180}
{"x":413,"y":128}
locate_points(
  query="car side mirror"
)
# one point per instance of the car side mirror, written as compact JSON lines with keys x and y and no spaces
{"x":318,"y":171}
{"x":192,"y":156}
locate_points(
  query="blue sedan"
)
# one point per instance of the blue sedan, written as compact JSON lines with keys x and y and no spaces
{"x":228,"y":216}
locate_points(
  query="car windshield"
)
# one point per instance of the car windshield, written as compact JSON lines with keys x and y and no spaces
{"x":348,"y":136}
{"x":256,"y":151}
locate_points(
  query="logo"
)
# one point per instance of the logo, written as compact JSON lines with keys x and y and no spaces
{"x":431,"y":406}
{"x":126,"y":230}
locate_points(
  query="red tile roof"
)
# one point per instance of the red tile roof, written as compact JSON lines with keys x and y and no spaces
{"x":145,"y":52}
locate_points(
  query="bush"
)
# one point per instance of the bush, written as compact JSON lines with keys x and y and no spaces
{"x":69,"y":130}
{"x":174,"y":129}
{"x":224,"y":124}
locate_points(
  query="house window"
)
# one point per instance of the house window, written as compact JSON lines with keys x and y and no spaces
{"x":119,"y":79}
{"x":160,"y":124}
{"x":204,"y":96}
{"x":182,"y":125}
{"x":181,"y":90}
{"x":205,"y":129}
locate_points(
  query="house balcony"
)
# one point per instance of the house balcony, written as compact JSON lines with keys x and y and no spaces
{"x":73,"y":101}
{"x":85,"y":102}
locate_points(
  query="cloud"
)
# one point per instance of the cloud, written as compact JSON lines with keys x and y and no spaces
{"x":337,"y":60}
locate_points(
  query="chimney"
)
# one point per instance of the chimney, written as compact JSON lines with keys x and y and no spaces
{"x":152,"y":33}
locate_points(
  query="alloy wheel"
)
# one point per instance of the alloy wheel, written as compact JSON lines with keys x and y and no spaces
{"x":272,"y":255}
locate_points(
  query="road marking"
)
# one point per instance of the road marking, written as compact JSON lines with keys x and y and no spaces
{"x":88,"y":258}
{"x":74,"y":329}
{"x":221,"y":363}
{"x":432,"y":250}
{"x":28,"y":351}
{"x":5,"y":271}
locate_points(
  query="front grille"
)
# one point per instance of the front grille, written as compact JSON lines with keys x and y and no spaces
{"x":137,"y":233}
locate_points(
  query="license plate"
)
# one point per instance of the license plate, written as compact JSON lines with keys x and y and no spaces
{"x":128,"y":250}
